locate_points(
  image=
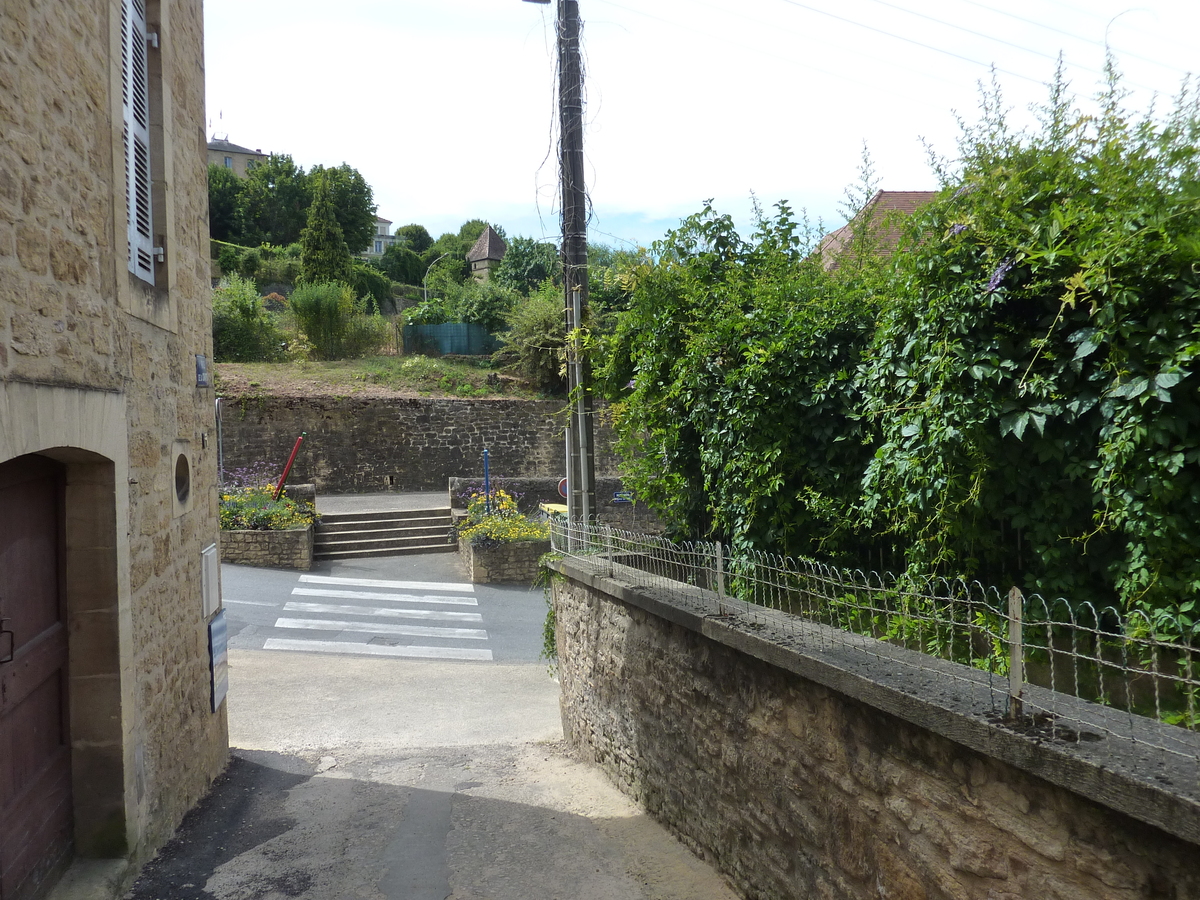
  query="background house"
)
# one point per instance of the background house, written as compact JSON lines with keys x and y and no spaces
{"x":487,"y":252}
{"x":232,"y":156}
{"x":883,"y":214}
{"x":382,"y":239}
{"x":108,"y":499}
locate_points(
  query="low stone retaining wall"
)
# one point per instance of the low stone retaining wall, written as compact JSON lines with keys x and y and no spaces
{"x":403,"y":444}
{"x":800,"y":775}
{"x":515,"y":562}
{"x":291,"y":549}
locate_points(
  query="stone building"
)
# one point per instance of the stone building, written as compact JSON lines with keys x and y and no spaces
{"x":240,"y":160}
{"x":486,"y":253}
{"x":107,"y":454}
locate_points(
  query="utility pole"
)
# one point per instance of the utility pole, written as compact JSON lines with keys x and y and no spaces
{"x":581,"y":477}
{"x":581,"y":470}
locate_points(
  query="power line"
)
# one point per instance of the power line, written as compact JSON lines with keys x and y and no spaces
{"x":1078,"y":37}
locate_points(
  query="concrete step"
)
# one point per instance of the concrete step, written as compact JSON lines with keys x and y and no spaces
{"x":379,"y":541}
{"x":391,"y":533}
{"x":353,"y":526}
{"x":437,"y":512}
{"x":356,"y":553}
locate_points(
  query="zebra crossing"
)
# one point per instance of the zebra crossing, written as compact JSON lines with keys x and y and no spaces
{"x":378,"y":617}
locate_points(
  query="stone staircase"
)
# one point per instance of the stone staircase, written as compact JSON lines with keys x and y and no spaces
{"x":365,"y":534}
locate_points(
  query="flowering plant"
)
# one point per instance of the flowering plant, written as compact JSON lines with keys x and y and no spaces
{"x":254,"y":507}
{"x":502,"y":524}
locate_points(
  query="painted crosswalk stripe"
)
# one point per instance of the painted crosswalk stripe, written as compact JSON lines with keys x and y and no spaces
{"x":474,"y":634}
{"x":338,"y":609}
{"x":454,"y":586}
{"x":374,"y":595}
{"x":377,"y":649}
{"x":248,"y":602}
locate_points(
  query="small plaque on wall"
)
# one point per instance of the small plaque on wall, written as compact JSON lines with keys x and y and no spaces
{"x":203,"y":377}
{"x":210,"y":579}
{"x":218,"y":649}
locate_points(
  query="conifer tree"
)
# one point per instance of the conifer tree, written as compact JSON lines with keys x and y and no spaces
{"x":324,"y":255}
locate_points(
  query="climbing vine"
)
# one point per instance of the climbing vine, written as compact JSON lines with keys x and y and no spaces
{"x":1013,"y":397}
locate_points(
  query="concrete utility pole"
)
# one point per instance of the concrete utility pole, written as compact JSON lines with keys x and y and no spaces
{"x":581,"y":470}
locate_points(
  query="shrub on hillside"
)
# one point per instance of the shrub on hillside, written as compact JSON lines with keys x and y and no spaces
{"x":335,"y":322}
{"x":243,"y":330}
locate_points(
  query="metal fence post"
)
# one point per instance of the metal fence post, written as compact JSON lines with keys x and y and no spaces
{"x":720,"y":578}
{"x":608,"y":548}
{"x":1016,"y":650}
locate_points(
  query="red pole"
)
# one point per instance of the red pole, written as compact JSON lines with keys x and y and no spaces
{"x":288,"y":467}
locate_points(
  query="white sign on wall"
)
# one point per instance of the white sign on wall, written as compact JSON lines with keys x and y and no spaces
{"x":210,"y":579}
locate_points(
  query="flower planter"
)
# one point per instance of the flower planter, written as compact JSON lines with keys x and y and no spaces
{"x":514,"y":562}
{"x":288,"y":549}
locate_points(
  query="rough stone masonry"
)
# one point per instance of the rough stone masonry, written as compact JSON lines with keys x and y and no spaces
{"x":794,"y":789}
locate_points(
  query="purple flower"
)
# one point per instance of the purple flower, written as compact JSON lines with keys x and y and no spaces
{"x":998,"y":276}
{"x":631,"y":385}
{"x":957,"y":229}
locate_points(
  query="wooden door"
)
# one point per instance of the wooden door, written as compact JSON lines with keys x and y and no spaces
{"x":35,"y":746}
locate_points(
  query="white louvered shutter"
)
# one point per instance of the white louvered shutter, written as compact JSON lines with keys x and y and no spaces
{"x":136,"y":107}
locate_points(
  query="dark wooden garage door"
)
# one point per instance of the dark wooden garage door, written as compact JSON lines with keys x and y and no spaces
{"x":35,"y":747}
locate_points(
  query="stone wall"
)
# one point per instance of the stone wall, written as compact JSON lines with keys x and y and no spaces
{"x":818,"y":787}
{"x":290,"y":549}
{"x":409,"y":444}
{"x":98,"y":371}
{"x":515,"y":562}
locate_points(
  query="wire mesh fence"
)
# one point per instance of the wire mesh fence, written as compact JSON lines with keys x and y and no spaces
{"x":1062,"y":671}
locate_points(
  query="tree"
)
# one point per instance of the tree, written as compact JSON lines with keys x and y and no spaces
{"x":526,"y":264}
{"x":731,"y":349}
{"x":416,"y":237}
{"x":401,"y":264}
{"x":353,"y":203}
{"x":469,"y":232}
{"x":276,"y":196}
{"x":324,"y":256}
{"x":224,"y":204}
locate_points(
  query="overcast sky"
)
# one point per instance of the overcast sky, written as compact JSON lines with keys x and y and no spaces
{"x":446,"y":106}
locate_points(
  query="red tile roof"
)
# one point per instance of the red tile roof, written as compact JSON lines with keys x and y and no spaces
{"x":903,"y":203}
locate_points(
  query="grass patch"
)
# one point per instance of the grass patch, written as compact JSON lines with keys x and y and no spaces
{"x":400,"y":375}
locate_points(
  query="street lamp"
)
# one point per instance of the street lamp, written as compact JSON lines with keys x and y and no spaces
{"x":425,"y":280}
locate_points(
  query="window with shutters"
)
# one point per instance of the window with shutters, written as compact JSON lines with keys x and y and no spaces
{"x":135,"y":92}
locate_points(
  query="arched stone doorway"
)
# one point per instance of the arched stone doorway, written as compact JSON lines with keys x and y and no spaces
{"x":62,"y":780}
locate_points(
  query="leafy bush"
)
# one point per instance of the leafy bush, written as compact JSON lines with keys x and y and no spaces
{"x":243,"y":331}
{"x":335,"y":322}
{"x":1035,"y":383}
{"x":253,"y":507}
{"x":534,"y":345}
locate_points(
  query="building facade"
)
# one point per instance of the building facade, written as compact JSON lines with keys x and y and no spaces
{"x":240,"y":160}
{"x":108,"y":502}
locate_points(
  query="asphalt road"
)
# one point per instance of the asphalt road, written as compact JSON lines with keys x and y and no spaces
{"x":413,"y":607}
{"x":380,"y":773}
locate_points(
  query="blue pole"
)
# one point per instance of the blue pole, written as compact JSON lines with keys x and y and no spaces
{"x":487,"y":485}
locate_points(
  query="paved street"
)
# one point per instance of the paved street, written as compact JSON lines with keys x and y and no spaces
{"x":416,"y":607}
{"x":390,"y":756}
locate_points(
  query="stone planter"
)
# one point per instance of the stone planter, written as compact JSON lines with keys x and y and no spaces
{"x":290,"y":549}
{"x":512,"y":563}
